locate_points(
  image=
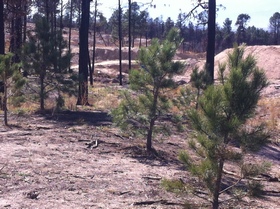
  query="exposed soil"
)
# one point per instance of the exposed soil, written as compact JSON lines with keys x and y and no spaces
{"x":53,"y":162}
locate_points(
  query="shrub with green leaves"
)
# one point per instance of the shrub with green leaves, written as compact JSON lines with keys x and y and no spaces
{"x":146,"y":101}
{"x":220,"y":121}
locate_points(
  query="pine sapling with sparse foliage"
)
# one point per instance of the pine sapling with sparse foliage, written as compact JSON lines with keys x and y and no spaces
{"x":220,"y":123}
{"x":199,"y":80}
{"x":143,"y":105}
{"x":46,"y":56}
{"x":13,"y":82}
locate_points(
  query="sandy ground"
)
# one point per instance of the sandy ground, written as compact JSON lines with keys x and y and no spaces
{"x":52,"y":162}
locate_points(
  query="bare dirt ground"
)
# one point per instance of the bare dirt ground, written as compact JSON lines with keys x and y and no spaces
{"x":52,"y":157}
{"x":77,"y":159}
{"x":52,"y":162}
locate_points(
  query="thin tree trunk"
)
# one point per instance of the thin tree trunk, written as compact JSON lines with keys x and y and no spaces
{"x":2,"y":30}
{"x":215,"y":203}
{"x":53,"y":29}
{"x":133,"y":37}
{"x":61,"y":30}
{"x":70,"y":31}
{"x":12,"y":36}
{"x":152,"y":121}
{"x":94,"y":42}
{"x":150,"y":135}
{"x":197,"y":97}
{"x":80,"y":13}
{"x":42,"y":99}
{"x":146,"y":36}
{"x":5,"y":101}
{"x":90,"y":69}
{"x":18,"y":39}
{"x":25,"y":23}
{"x":47,"y":10}
{"x":120,"y":41}
{"x":2,"y":45}
{"x":211,"y":38}
{"x":129,"y":35}
{"x":140,"y":42}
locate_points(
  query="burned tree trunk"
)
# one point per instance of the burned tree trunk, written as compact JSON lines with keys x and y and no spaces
{"x":83,"y":55}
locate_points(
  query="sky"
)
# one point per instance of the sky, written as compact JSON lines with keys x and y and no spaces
{"x":259,"y":10}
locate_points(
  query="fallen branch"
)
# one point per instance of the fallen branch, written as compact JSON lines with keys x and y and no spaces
{"x":83,"y":140}
{"x":117,"y":135}
{"x":125,"y":192}
{"x":231,"y":173}
{"x":151,"y":202}
{"x":2,"y":167}
{"x":93,"y":144}
{"x":266,"y":177}
{"x":152,"y":177}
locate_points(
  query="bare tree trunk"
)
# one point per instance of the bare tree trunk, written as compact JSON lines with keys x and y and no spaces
{"x":215,"y":203}
{"x":140,"y":42}
{"x":146,"y":36}
{"x":129,"y":35}
{"x":2,"y":30}
{"x":150,"y":135}
{"x":94,"y":42}
{"x":89,"y":68}
{"x":25,"y":23}
{"x":120,"y":41}
{"x":42,"y":96}
{"x":61,"y":30}
{"x":18,"y":40}
{"x":152,"y":121}
{"x":47,"y":10}
{"x":70,"y":31}
{"x":83,"y":54}
{"x":211,"y":38}
{"x":5,"y":101}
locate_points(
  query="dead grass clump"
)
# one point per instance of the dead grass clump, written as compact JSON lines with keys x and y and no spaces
{"x":26,"y":108}
{"x":104,"y":98}
{"x":270,"y":111}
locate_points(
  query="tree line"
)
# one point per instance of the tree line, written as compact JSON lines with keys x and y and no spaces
{"x":192,"y":30}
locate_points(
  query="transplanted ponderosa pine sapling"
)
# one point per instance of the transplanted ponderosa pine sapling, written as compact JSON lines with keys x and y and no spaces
{"x":220,"y":122}
{"x":139,"y":111}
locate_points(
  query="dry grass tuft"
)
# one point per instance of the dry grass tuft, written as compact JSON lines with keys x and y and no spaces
{"x":104,"y":97}
{"x":269,"y":114}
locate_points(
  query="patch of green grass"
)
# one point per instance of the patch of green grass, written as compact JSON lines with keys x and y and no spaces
{"x":174,"y":185}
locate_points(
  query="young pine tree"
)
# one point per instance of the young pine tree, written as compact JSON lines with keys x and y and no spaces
{"x":140,"y":113}
{"x":45,"y":55}
{"x":200,"y":80}
{"x":220,"y":121}
{"x":12,"y":80}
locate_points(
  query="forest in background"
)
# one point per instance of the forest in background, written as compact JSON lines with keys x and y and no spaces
{"x":66,"y":14}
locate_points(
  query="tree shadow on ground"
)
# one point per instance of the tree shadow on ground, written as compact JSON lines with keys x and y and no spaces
{"x":270,"y":151}
{"x":70,"y":118}
{"x":157,"y":158}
